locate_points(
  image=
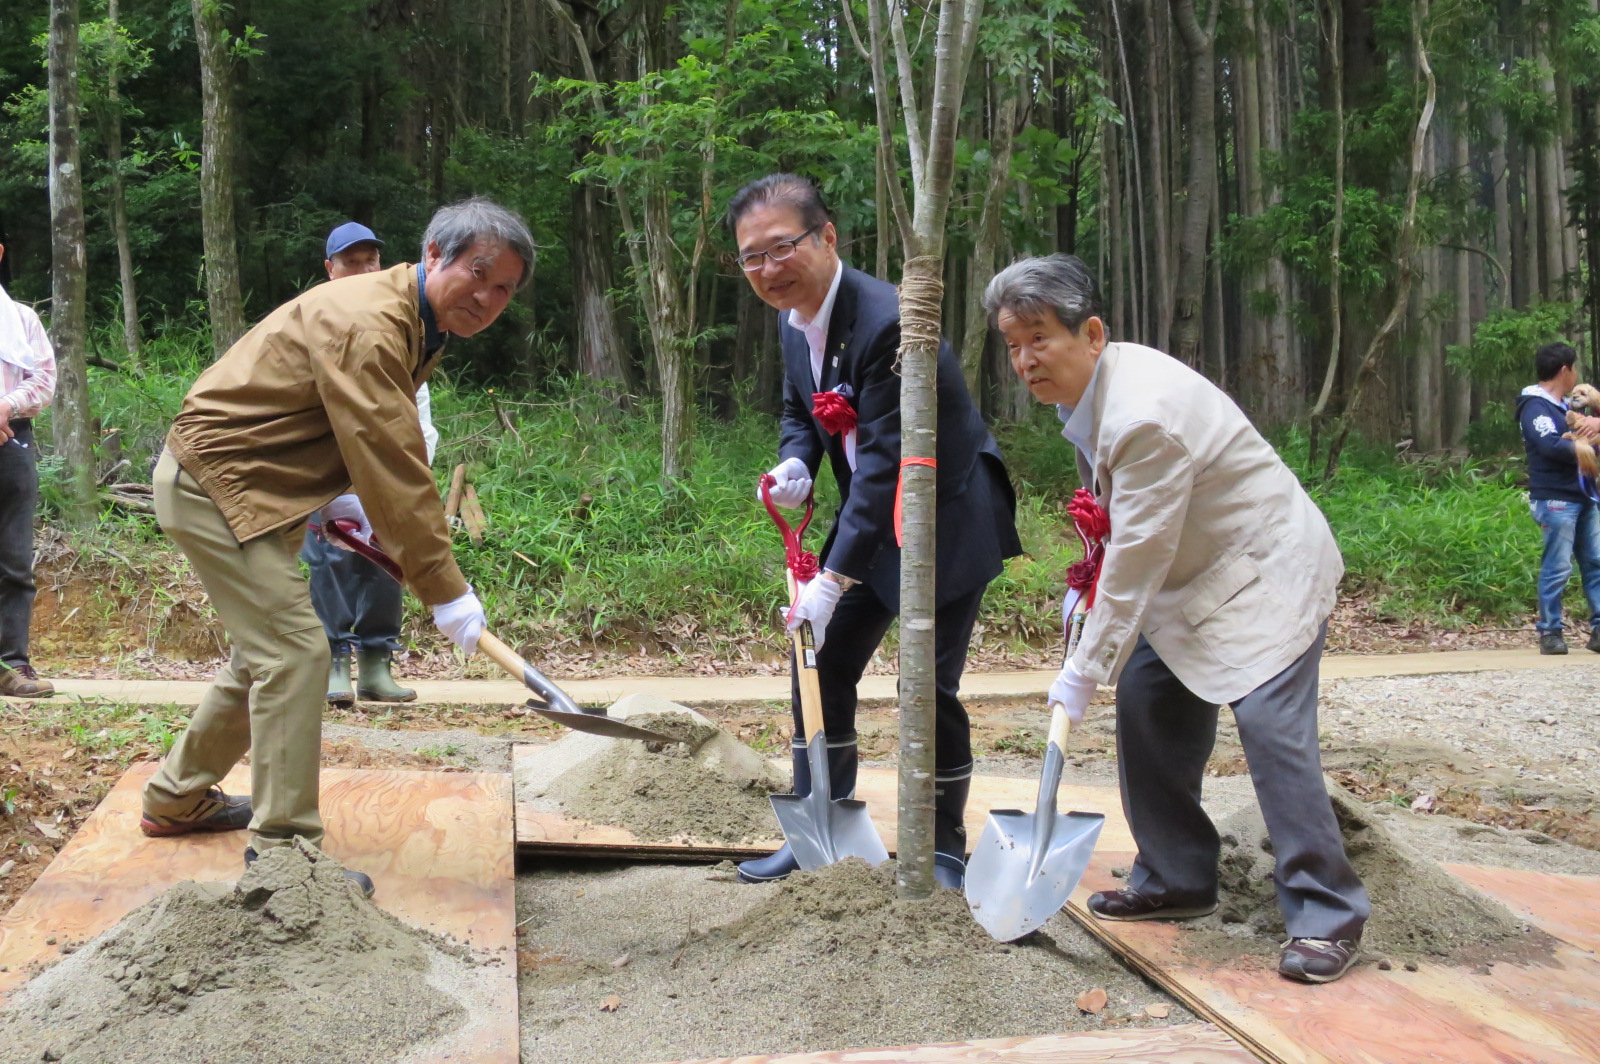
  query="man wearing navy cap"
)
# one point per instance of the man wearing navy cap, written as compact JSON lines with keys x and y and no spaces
{"x":359,"y":604}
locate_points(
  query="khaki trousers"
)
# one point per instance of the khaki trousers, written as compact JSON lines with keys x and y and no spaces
{"x":268,"y":699}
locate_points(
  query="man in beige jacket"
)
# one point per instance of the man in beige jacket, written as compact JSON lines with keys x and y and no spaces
{"x":312,"y":409}
{"x":1215,"y":590}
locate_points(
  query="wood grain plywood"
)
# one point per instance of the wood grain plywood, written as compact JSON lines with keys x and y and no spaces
{"x":1536,"y":1014}
{"x":1191,"y":1043}
{"x":1566,"y":906}
{"x":438,"y":845}
{"x":544,"y":828}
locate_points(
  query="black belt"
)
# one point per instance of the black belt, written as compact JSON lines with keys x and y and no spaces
{"x":18,"y":424}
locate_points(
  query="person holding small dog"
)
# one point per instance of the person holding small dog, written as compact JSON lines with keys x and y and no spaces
{"x":1567,"y":515}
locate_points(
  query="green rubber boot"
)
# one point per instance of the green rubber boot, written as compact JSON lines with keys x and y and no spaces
{"x":341,"y":692}
{"x":376,"y":683}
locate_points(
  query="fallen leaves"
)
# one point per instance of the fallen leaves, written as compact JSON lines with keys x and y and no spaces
{"x":1159,"y":1011}
{"x":1092,"y":1001}
{"x":610,"y":1003}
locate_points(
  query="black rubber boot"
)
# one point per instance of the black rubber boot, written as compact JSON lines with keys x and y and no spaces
{"x":1552,"y":643}
{"x":341,"y":692}
{"x":842,"y":777}
{"x":375,"y":683}
{"x":950,"y":832}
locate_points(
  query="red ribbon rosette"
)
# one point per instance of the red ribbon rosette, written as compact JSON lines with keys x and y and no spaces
{"x":833,"y":412}
{"x":1093,"y":526}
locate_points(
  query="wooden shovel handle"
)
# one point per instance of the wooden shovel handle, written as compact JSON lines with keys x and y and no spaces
{"x":805,"y":663}
{"x":503,"y":655}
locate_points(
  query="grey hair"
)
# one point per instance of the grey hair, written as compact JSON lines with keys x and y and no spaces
{"x":1058,"y":283}
{"x":456,"y":228}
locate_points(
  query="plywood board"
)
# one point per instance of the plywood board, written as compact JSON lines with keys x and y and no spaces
{"x":438,"y":845}
{"x":1568,"y":907}
{"x":1190,"y":1043}
{"x":543,"y":828}
{"x":1536,"y":1014}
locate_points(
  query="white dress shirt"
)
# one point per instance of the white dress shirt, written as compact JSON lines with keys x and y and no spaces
{"x":816,"y":333}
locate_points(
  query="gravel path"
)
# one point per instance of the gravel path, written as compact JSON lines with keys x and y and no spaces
{"x":1541,"y":729}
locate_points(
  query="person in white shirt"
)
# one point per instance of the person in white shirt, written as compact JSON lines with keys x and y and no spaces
{"x":359,"y":604}
{"x":27,"y":384}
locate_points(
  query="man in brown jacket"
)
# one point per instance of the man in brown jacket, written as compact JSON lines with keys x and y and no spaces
{"x":312,"y":408}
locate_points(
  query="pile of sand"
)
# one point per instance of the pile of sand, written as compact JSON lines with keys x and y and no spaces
{"x":1418,"y":909}
{"x":705,"y":785}
{"x":290,"y":965}
{"x":824,"y":961}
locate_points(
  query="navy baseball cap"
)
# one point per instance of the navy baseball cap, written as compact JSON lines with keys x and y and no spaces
{"x":348,"y":235}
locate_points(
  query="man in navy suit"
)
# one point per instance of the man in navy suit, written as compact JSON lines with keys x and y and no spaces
{"x":841,"y":400}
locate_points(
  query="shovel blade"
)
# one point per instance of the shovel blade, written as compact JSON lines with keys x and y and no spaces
{"x":1014,"y":885}
{"x":823,"y":832}
{"x":598,"y":724}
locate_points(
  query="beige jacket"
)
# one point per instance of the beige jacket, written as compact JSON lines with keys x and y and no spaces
{"x":317,"y":400}
{"x":1217,"y":554}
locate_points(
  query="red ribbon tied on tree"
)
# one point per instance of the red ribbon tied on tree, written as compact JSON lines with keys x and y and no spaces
{"x":1093,"y":526}
{"x":834,"y":412}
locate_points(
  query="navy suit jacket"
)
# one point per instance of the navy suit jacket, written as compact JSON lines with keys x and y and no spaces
{"x":976,"y":521}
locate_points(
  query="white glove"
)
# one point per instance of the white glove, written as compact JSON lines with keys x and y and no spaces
{"x":1072,"y":691}
{"x":818,"y":597}
{"x":462,"y":620}
{"x":348,"y":508}
{"x":793,"y":484}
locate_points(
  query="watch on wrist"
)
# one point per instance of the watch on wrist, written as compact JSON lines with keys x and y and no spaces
{"x":844,"y":582}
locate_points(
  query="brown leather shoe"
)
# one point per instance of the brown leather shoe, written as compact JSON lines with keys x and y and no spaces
{"x":1316,"y":960}
{"x":22,"y":682}
{"x":1129,"y":904}
{"x":216,"y":812}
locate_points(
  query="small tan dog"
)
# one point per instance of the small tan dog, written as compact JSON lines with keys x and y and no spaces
{"x":1584,"y":397}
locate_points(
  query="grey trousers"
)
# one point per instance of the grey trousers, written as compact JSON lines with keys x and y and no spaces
{"x":1165,"y":735}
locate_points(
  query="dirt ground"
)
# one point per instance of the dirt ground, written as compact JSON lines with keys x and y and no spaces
{"x":654,"y":962}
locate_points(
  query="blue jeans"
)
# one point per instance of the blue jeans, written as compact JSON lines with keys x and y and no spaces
{"x":1569,"y":528}
{"x":358,"y":603}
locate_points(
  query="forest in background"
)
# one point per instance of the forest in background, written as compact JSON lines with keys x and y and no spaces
{"x":1262,"y":185}
{"x":1213,"y":161}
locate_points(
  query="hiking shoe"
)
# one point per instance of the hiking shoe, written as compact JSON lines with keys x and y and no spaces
{"x":1316,"y":960}
{"x":216,"y":812}
{"x":1552,"y":643}
{"x":1129,"y":904}
{"x":1594,"y":640}
{"x":20,"y":681}
{"x":362,"y":881}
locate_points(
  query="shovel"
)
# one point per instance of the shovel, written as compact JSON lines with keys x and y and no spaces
{"x":552,"y":703}
{"x":820,"y":829}
{"x":1026,"y":865}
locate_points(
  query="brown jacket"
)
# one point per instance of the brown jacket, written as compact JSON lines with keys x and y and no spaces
{"x":320,"y":396}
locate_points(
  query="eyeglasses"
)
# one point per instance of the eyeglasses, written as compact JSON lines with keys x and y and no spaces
{"x":783,"y":249}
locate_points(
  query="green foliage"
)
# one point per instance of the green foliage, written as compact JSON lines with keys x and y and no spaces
{"x":1431,"y":540}
{"x":1503,"y":344}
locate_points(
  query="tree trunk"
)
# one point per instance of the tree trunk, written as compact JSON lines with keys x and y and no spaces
{"x":1499,"y":201}
{"x":1336,"y":261}
{"x":1278,"y":359}
{"x":119,"y":200}
{"x":1200,"y":43}
{"x":981,"y":264}
{"x":602,"y":354}
{"x":1458,"y":383}
{"x":921,"y":294}
{"x":74,"y":437}
{"x":1405,"y":251}
{"x":216,"y":178}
